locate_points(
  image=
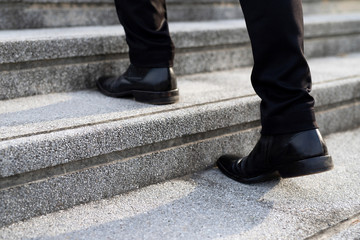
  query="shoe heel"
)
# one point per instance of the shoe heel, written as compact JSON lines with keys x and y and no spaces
{"x":158,"y":98}
{"x":306,"y":167}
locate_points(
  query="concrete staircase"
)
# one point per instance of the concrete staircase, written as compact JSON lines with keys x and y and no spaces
{"x":208,"y":205}
{"x":62,"y":143}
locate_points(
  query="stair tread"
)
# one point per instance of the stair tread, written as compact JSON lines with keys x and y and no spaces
{"x":58,"y":111}
{"x":53,"y":43}
{"x":42,"y":61}
{"x":94,"y":147}
{"x":190,"y":207}
{"x":75,"y":116}
{"x":66,"y":32}
{"x":52,"y":13}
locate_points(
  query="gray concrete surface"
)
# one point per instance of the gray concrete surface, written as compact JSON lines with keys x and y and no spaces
{"x":57,"y":155}
{"x":207,"y":205}
{"x":53,"y":189}
{"x":58,"y":121}
{"x":352,"y":232}
{"x":42,"y":44}
{"x":69,"y":59}
{"x":75,"y":182}
{"x":27,"y":116}
{"x":65,"y":13}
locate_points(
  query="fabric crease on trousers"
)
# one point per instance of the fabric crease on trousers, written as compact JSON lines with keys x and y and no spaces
{"x":280,"y":76}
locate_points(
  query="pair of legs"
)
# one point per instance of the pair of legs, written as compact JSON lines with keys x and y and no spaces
{"x":280,"y":76}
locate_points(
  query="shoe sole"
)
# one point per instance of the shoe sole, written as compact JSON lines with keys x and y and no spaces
{"x":158,"y":98}
{"x":296,"y":169}
{"x":261,"y":178}
{"x":151,"y":97}
{"x":306,"y":167}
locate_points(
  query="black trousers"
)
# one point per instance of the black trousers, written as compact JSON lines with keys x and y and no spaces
{"x":280,"y":76}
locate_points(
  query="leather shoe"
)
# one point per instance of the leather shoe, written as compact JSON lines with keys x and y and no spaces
{"x":288,"y":155}
{"x":149,"y":85}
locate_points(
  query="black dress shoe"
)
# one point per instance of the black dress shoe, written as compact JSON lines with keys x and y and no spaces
{"x":149,"y":85}
{"x":289,"y":155}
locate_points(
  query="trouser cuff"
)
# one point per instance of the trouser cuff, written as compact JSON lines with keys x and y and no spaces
{"x":152,"y":59}
{"x":293,"y":122}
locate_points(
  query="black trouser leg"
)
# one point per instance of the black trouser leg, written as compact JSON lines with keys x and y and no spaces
{"x":281,"y":76}
{"x":147,"y":32}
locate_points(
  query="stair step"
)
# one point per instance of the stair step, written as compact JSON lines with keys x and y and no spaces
{"x":67,"y":13}
{"x":68,"y":59}
{"x":64,"y":149}
{"x":207,"y":205}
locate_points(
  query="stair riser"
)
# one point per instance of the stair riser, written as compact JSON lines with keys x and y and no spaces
{"x":35,"y":14}
{"x":82,"y":75}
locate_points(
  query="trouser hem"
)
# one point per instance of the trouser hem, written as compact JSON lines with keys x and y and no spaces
{"x":293,"y":122}
{"x":152,"y":59}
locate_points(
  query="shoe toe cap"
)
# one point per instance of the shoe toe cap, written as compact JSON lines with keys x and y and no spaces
{"x":106,"y":84}
{"x":227,"y":162}
{"x":104,"y":80}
